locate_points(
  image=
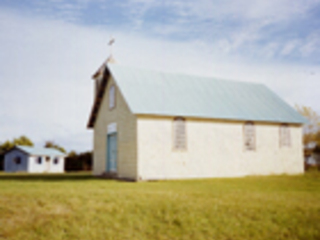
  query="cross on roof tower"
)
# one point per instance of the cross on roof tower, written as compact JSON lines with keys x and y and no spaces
{"x":110,"y":58}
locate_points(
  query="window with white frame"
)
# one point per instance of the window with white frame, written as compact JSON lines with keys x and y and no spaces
{"x":285,"y":140}
{"x":112,"y":97}
{"x":249,"y":136}
{"x":179,"y":133}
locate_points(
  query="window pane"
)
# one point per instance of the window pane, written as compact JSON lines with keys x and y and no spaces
{"x":112,"y":96}
{"x":179,"y":133}
{"x":39,"y":160}
{"x":249,"y":136}
{"x":285,"y":139}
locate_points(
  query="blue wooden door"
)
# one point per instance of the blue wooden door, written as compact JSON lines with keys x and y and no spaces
{"x":112,"y":152}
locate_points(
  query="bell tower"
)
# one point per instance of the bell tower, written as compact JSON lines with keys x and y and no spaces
{"x":99,"y":74}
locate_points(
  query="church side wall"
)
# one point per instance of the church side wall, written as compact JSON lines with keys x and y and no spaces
{"x":126,"y":136}
{"x":214,"y":149}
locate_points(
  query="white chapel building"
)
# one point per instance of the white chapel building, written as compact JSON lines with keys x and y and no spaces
{"x":151,"y":125}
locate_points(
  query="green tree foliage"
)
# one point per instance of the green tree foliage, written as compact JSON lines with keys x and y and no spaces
{"x":72,"y":154}
{"x":23,"y":141}
{"x":7,"y":145}
{"x":311,"y":130}
{"x":317,"y":139}
{"x":78,"y":162}
{"x":51,"y":144}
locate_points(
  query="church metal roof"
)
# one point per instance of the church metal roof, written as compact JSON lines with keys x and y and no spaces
{"x":168,"y":94}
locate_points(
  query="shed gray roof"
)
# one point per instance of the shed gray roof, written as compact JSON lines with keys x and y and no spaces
{"x":40,"y":151}
{"x":151,"y":92}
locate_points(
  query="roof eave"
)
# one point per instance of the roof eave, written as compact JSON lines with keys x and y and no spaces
{"x":98,"y":98}
{"x":16,"y":148}
{"x":232,"y":119}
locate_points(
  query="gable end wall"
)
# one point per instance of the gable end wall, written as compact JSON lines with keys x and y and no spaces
{"x":126,"y":136}
{"x":11,"y":166}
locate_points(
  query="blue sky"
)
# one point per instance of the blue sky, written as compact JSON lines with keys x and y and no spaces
{"x":49,"y":50}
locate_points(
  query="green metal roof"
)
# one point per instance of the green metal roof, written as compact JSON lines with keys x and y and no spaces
{"x":167,"y":94}
{"x":40,"y":151}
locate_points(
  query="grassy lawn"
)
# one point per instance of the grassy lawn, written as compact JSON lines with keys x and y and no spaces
{"x":77,"y":206}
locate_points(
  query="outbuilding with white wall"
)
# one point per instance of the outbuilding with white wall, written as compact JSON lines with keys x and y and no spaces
{"x":34,"y":160}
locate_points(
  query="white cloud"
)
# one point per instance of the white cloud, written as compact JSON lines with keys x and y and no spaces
{"x":311,"y":44}
{"x":46,"y":65}
{"x":45,"y":77}
{"x":272,"y":10}
{"x":237,"y":25}
{"x":289,"y":47}
{"x":70,"y":11}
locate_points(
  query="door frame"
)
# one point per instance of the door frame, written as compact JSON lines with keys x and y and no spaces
{"x":108,"y":152}
{"x":47,"y":162}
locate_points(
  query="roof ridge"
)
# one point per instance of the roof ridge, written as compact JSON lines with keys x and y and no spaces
{"x":181,"y":74}
{"x":39,"y":150}
{"x":177,"y":94}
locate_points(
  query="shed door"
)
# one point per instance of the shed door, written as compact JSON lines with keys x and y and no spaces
{"x":112,"y":152}
{"x":47,"y":164}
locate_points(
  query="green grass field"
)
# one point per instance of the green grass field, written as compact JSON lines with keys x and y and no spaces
{"x":77,"y":206}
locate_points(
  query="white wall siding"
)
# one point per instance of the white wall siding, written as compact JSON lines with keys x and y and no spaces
{"x":35,"y":167}
{"x":59,"y":167}
{"x":214,"y":149}
{"x":30,"y":164}
{"x":46,"y":166}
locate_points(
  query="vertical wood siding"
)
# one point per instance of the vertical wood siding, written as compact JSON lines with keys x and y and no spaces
{"x":30,"y":164}
{"x":11,"y":166}
{"x":215,"y":149}
{"x":126,"y":135}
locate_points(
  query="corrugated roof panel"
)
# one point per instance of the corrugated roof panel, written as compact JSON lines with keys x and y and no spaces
{"x":151,"y":92}
{"x":41,"y":151}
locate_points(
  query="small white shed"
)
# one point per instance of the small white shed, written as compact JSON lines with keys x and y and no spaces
{"x":34,"y":160}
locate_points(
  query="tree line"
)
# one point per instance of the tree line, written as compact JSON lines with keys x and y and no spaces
{"x":311,"y":130}
{"x":73,"y":161}
{"x":83,"y":161}
{"x":311,"y":135}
